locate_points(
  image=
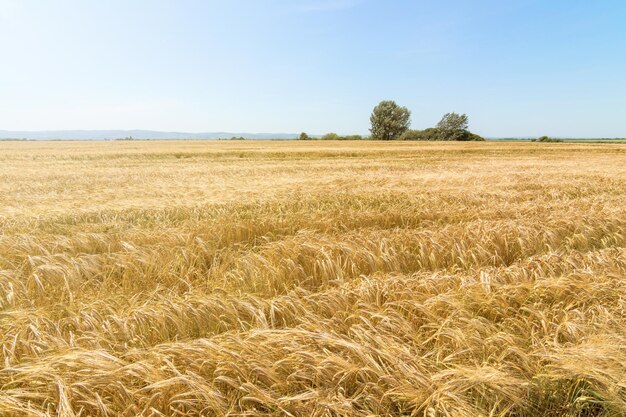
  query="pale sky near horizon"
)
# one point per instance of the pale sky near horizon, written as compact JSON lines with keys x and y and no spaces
{"x":517,"y":68}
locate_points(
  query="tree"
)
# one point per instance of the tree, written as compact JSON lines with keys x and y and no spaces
{"x":304,"y":136}
{"x":452,"y":122}
{"x":389,"y":120}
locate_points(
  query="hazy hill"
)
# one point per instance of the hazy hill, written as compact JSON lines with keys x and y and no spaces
{"x":136,"y":134}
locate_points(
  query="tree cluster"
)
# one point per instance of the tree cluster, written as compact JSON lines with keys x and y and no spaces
{"x":390,"y":121}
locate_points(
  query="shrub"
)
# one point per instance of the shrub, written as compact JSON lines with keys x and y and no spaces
{"x":411,"y":134}
{"x":330,"y":136}
{"x":414,"y":134}
{"x":460,"y":135}
{"x":546,"y":139}
{"x":433,"y":133}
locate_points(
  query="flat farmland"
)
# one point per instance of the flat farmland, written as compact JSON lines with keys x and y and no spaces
{"x":312,"y":278}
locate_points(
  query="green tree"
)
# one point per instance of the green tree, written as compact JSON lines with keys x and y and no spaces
{"x":389,"y":120}
{"x":453,"y":122}
{"x":303,"y":136}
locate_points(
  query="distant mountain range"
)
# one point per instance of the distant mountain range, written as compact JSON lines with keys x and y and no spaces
{"x":135,"y":134}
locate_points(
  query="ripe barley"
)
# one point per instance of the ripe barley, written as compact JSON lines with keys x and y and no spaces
{"x":358,"y":279}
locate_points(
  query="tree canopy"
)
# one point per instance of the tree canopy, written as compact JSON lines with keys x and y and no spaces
{"x":453,"y":122}
{"x":389,"y":120}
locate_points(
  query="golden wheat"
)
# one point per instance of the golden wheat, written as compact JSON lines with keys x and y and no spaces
{"x":312,"y":279}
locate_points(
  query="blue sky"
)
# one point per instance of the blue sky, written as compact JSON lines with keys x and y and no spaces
{"x":523,"y":67}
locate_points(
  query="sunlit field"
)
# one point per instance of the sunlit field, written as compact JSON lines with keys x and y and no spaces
{"x":312,"y":279}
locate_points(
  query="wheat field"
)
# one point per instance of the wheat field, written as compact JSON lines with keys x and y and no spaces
{"x":312,"y":279}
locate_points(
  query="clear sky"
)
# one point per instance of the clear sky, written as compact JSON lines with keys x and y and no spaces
{"x":519,"y":67}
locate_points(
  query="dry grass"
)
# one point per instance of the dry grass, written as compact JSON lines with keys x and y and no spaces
{"x":312,"y":279}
